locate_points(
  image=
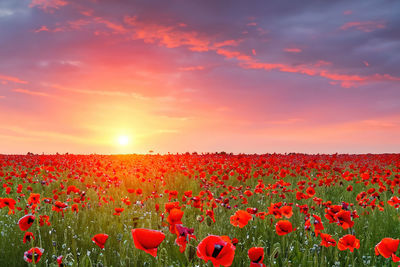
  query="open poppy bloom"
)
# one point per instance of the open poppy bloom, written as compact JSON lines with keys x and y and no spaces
{"x":147,"y":240}
{"x":33,"y":255}
{"x":348,"y":242}
{"x":283,"y":227}
{"x":275,"y":209}
{"x":26,"y":222}
{"x":331,"y":213}
{"x":344,"y":219}
{"x":8,"y":202}
{"x":217,"y":249}
{"x":75,"y":208}
{"x":28,"y":237}
{"x":100,"y":240}
{"x":287,"y":211}
{"x":184,"y":235}
{"x":174,"y":217}
{"x":118,"y":211}
{"x":240,"y":218}
{"x":310,"y":191}
{"x":34,"y":199}
{"x":256,"y":255}
{"x":387,"y":247}
{"x":327,"y":240}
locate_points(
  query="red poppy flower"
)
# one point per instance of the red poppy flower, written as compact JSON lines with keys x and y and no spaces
{"x":100,"y":240}
{"x":33,"y":255}
{"x":147,"y":240}
{"x":283,"y":227}
{"x":331,"y":213}
{"x":287,"y":211}
{"x":174,"y":217}
{"x":348,"y":242}
{"x":26,"y":222}
{"x":59,"y":207}
{"x":343,"y":218}
{"x":275,"y":210}
{"x":256,"y":255}
{"x":317,"y":223}
{"x":59,"y":261}
{"x":75,"y":208}
{"x":210,"y":213}
{"x":310,"y":191}
{"x":327,"y":240}
{"x":44,"y":219}
{"x":184,"y":235}
{"x":8,"y":202}
{"x":219,"y":250}
{"x":171,"y":205}
{"x":34,"y":199}
{"x":118,"y":211}
{"x":387,"y":247}
{"x":240,"y":218}
{"x":28,"y":237}
{"x":394,"y":201}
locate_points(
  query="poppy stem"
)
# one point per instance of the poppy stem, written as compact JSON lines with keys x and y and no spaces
{"x":40,"y":236}
{"x":104,"y":258}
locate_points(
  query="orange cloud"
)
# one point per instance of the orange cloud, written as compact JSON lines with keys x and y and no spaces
{"x":169,"y":36}
{"x":364,"y":26}
{"x":192,"y":68}
{"x":227,"y":43}
{"x":345,"y":80}
{"x":6,"y":79}
{"x":29,"y":92}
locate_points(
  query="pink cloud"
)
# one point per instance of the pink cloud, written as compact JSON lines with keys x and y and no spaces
{"x":251,"y":24}
{"x":233,"y":54}
{"x":173,"y":36}
{"x":169,"y":36}
{"x":117,"y":28}
{"x":293,"y":50}
{"x":345,"y":80}
{"x":192,"y":68}
{"x":364,"y":26}
{"x":42,"y":29}
{"x":29,"y":92}
{"x":347,"y":12}
{"x":227,"y":43}
{"x":6,"y":79}
{"x":48,"y":5}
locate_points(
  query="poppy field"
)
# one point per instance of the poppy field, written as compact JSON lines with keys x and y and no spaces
{"x":200,"y":210}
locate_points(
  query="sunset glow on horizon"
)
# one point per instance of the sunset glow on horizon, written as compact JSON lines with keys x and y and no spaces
{"x":108,"y":77}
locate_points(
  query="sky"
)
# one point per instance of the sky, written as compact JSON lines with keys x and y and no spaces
{"x":203,"y":75}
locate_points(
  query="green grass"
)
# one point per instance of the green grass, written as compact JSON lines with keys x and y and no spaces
{"x":70,"y":235}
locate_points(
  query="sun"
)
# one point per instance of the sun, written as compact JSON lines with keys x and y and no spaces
{"x":123,"y":140}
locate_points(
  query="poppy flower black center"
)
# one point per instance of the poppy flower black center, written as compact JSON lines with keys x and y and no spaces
{"x":217,"y":250}
{"x":29,"y":256}
{"x":258,"y":260}
{"x":30,"y":220}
